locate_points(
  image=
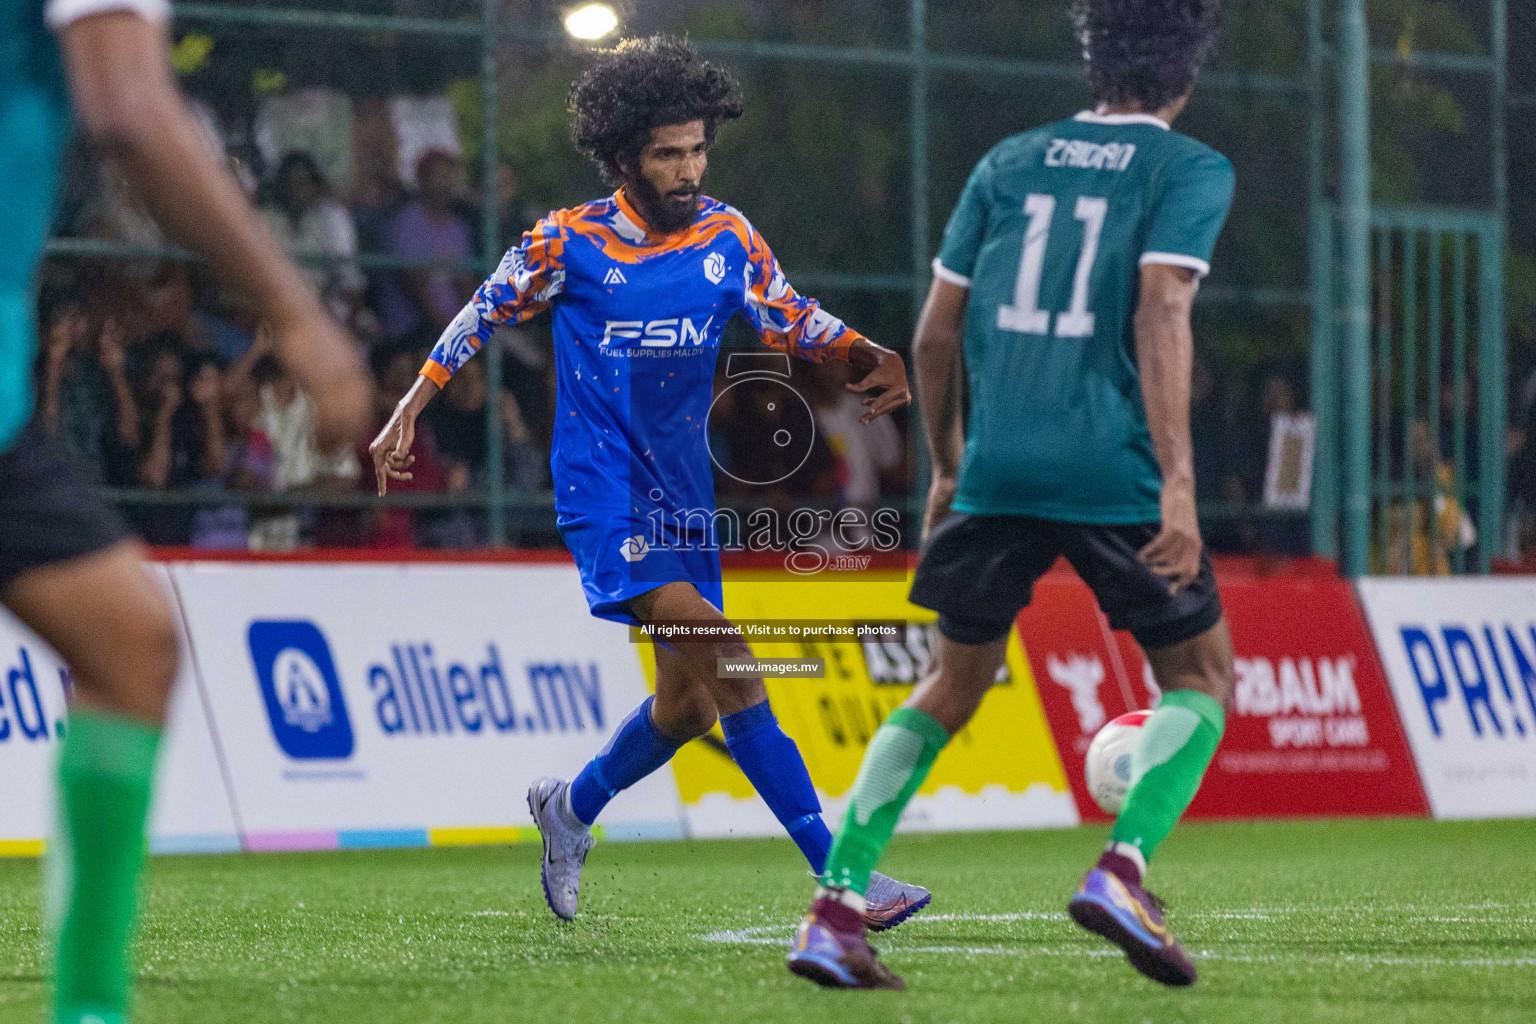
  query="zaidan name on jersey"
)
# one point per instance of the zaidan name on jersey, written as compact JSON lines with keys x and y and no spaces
{"x":638,"y":320}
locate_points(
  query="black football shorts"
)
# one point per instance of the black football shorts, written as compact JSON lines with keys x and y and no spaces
{"x":48,"y":512}
{"x":978,"y":572}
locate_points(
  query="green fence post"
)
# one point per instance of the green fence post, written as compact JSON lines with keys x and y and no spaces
{"x":1325,"y":388}
{"x":1381,"y":396}
{"x":1499,"y":38}
{"x":1355,"y":314}
{"x":490,"y":219}
{"x":1410,"y":386}
{"x":1493,"y":306}
{"x":1491,"y":387}
{"x":1436,"y":328}
{"x":1459,"y":384}
{"x":917,"y":14}
{"x":1324,"y":506}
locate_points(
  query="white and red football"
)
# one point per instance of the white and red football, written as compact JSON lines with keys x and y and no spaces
{"x":1109,"y":760}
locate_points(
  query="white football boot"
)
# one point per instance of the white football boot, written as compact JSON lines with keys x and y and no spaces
{"x":566,"y":844}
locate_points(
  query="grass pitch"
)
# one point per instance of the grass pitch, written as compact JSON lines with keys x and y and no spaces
{"x":1295,"y":922}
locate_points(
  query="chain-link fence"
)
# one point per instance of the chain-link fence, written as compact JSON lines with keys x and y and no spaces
{"x":397,"y":148}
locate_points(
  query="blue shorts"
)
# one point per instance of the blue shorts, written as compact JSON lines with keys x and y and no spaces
{"x":619,"y":560}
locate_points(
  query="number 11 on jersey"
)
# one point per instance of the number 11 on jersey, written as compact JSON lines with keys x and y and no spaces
{"x":1025,"y":315}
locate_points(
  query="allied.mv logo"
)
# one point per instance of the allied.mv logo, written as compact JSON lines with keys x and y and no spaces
{"x":633,"y":549}
{"x":300,"y":689}
{"x":714,"y":267}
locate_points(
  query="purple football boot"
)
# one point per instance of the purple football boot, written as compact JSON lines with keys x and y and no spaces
{"x":887,"y":902}
{"x":831,"y":948}
{"x":1112,"y":903}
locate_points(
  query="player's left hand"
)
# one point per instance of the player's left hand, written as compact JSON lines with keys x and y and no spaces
{"x":884,"y":387}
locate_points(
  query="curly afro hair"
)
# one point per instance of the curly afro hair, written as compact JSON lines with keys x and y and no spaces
{"x":1145,"y":51}
{"x":643,"y":84}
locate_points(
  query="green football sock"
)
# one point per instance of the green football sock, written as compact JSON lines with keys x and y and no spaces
{"x":1176,"y":746}
{"x":895,"y":764}
{"x":105,"y":774}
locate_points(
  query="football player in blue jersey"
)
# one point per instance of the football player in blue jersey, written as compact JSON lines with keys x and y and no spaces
{"x":68,"y":568}
{"x":641,"y":285}
{"x":1066,"y":276}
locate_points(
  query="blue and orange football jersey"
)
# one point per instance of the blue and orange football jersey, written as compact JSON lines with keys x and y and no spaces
{"x":638,"y":319}
{"x":638,"y":323}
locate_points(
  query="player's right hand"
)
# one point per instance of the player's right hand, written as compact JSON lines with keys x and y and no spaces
{"x":941,"y":494}
{"x":1174,"y":553}
{"x":391,"y":450}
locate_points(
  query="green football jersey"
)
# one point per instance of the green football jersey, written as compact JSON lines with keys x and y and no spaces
{"x":1049,"y":236}
{"x":34,"y":129}
{"x":34,"y":124}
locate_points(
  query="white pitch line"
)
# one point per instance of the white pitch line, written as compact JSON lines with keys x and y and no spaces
{"x":1023,"y":915}
{"x":782,"y":941}
{"x":779,"y":935}
{"x":1371,"y":960}
{"x":757,"y":936}
{"x":1435,"y":914}
{"x":746,"y":937}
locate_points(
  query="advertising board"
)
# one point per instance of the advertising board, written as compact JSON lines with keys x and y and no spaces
{"x":1461,"y":657}
{"x":191,"y":812}
{"x":1312,"y":729}
{"x":399,"y":705}
{"x":1000,"y":772}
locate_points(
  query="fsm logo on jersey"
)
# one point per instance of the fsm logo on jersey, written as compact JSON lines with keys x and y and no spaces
{"x":676,"y":332}
{"x":300,"y":688}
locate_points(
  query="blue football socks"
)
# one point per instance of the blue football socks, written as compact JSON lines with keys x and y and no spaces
{"x":769,"y":759}
{"x":636,"y":749}
{"x":772,"y":763}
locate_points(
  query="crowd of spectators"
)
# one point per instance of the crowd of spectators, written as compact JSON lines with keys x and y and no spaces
{"x":163,"y":386}
{"x":169,"y":393}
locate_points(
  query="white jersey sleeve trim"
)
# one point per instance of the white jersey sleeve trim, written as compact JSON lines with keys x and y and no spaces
{"x":1175,"y":259}
{"x":59,"y":13}
{"x":943,"y":273}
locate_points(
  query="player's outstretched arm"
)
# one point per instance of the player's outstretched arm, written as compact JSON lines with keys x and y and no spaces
{"x":526,"y":283}
{"x":528,"y":280}
{"x":795,"y":323}
{"x":119,"y":75}
{"x":936,"y":370}
{"x":1165,"y":352}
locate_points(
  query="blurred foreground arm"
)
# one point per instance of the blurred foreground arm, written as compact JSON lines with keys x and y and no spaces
{"x":119,"y":74}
